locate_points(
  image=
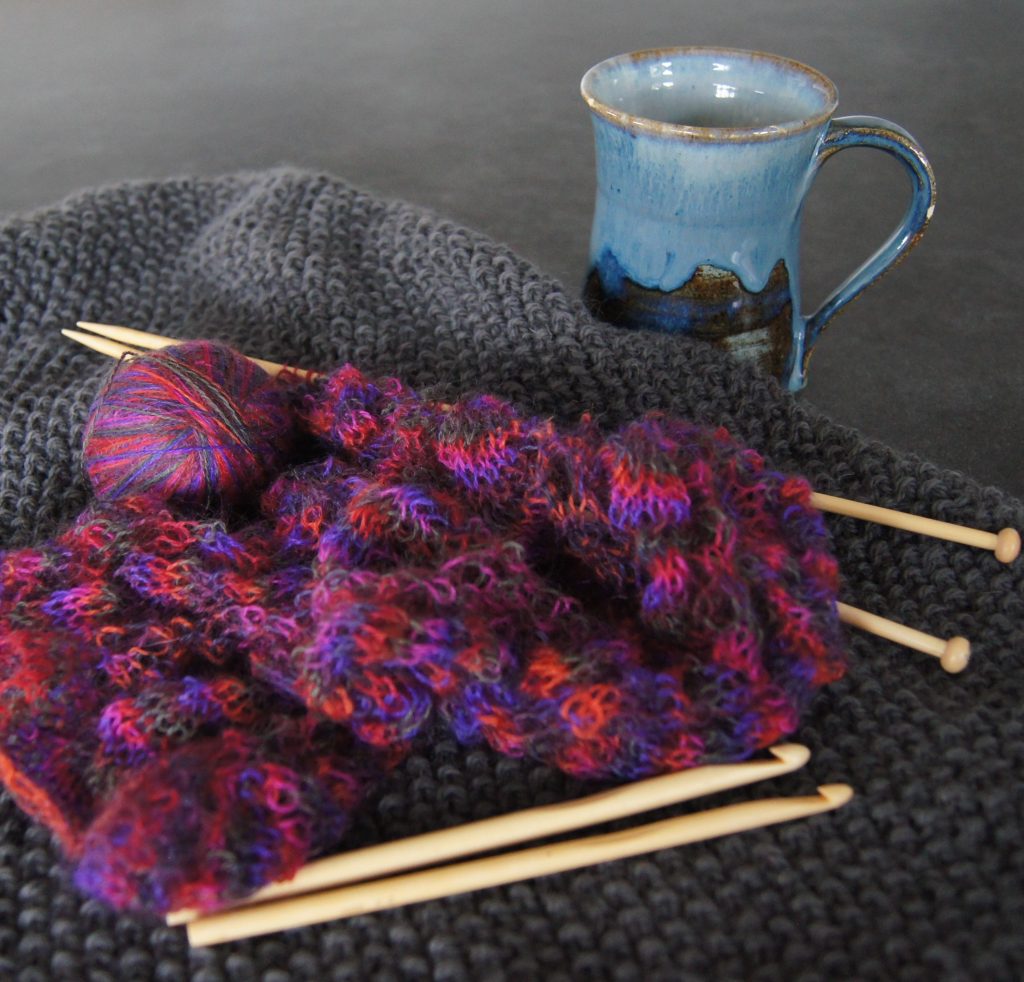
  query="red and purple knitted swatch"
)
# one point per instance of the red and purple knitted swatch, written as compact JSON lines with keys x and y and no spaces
{"x":196,"y":700}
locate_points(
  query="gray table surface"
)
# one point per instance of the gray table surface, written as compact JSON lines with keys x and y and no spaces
{"x":471,"y":107}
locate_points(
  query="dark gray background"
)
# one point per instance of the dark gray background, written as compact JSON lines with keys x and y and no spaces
{"x":471,"y":107}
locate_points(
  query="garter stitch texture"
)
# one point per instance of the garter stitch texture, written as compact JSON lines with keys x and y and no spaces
{"x":920,"y":877}
{"x":186,"y":699}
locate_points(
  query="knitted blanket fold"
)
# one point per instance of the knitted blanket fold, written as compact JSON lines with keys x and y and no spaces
{"x":920,"y":877}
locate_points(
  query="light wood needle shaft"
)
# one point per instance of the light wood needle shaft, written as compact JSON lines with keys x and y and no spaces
{"x":1005,"y":544}
{"x":953,"y":654}
{"x":513,"y":867}
{"x":131,"y":341}
{"x":442,"y":845}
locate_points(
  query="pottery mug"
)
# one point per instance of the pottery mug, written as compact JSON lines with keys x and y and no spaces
{"x":704,"y":159}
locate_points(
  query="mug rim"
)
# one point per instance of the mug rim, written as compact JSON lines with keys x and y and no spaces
{"x":710,"y":134}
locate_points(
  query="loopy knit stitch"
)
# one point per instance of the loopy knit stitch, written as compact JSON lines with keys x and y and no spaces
{"x":615,"y":605}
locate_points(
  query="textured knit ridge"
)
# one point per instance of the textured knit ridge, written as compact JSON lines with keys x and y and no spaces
{"x":919,"y":878}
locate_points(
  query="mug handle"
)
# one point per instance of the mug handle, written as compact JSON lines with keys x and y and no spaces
{"x":870,"y":131}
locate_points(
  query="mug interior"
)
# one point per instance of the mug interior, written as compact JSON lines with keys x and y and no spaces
{"x":716,"y":89}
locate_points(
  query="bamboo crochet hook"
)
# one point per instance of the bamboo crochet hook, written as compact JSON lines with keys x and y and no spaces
{"x":953,"y":653}
{"x":358,"y":882}
{"x":523,"y":826}
{"x":505,"y":868}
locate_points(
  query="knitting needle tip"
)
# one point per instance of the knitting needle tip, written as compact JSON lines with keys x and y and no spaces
{"x":104,"y":346}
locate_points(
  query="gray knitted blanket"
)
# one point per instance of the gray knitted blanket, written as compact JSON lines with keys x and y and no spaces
{"x":920,"y":877}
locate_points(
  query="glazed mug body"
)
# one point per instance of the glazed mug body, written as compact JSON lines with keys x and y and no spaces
{"x":704,"y":160}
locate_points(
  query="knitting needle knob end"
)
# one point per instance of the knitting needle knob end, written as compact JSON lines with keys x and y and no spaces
{"x":956,"y":655}
{"x":1007,"y":545}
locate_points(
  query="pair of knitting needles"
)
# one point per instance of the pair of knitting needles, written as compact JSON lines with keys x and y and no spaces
{"x":953,"y":653}
{"x":365,"y":880}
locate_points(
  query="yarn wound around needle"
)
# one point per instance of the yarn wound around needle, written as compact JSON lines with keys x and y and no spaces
{"x":199,"y":697}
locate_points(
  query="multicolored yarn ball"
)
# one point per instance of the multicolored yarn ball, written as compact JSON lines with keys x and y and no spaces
{"x":197,"y":704}
{"x":195,"y":423}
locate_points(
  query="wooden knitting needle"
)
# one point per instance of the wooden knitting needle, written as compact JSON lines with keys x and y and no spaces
{"x":1006,"y":544}
{"x":437,"y":847}
{"x":513,"y":867}
{"x":134,"y":341}
{"x":953,"y":654}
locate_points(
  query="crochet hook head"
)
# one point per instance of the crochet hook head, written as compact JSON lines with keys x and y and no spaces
{"x":836,"y":795}
{"x":793,"y":755}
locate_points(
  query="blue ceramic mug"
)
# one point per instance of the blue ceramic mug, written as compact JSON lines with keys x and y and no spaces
{"x":704,"y":159}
